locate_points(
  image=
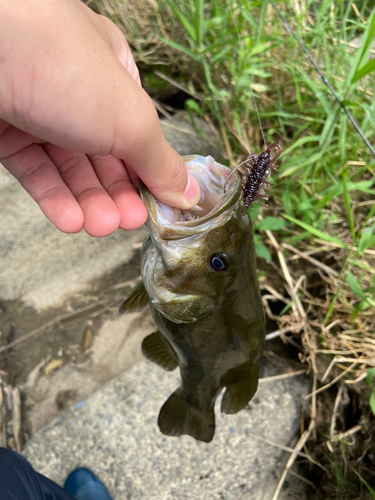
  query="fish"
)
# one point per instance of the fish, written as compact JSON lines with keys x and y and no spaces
{"x":199,"y":279}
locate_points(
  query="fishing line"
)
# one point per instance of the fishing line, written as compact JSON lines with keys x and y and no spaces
{"x":260,"y":124}
{"x":231,"y":173}
{"x":264,"y":140}
{"x":324,"y":78}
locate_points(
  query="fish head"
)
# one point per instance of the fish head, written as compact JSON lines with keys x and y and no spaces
{"x":191,"y":257}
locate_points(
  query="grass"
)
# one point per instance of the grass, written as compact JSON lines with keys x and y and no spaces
{"x":318,"y":231}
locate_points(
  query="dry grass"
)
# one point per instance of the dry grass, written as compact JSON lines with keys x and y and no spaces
{"x":312,"y":285}
{"x":143,"y":22}
{"x":338,"y":348}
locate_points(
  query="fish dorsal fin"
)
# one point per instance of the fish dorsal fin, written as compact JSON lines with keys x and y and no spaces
{"x":177,"y":417}
{"x":157,"y":349}
{"x":238,"y":394}
{"x":136,"y":301}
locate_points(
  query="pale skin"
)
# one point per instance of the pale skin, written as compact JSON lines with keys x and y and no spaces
{"x":76,"y":128}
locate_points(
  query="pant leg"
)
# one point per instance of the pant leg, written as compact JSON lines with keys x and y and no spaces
{"x":19,"y":481}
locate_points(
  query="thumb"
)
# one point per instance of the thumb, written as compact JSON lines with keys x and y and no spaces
{"x":140,"y":142}
{"x":171,"y":184}
{"x":163,"y":171}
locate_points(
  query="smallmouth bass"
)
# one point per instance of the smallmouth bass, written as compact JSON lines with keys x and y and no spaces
{"x":199,"y":279}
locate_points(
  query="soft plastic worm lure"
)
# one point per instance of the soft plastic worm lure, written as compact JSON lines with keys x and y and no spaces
{"x":257,"y":172}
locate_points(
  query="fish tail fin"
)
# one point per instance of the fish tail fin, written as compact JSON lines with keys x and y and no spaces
{"x":177,"y":417}
{"x":237,"y":395}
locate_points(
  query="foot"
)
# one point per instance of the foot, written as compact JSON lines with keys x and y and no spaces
{"x":84,"y":485}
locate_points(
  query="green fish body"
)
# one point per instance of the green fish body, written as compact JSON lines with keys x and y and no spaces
{"x":200,"y":281}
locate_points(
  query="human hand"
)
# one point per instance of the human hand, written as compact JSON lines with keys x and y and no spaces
{"x":76,"y":127}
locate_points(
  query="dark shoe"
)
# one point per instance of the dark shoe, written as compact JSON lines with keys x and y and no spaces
{"x":84,"y":485}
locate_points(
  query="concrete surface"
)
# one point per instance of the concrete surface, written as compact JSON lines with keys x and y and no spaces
{"x":114,"y":432}
{"x":42,"y":266}
{"x":115,"y":348}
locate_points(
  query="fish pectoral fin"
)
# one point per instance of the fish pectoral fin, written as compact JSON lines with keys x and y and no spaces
{"x":177,"y":417}
{"x":135,"y":301}
{"x":157,"y":349}
{"x":238,"y":394}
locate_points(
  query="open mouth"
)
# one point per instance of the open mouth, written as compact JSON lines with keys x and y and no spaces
{"x":212,"y":177}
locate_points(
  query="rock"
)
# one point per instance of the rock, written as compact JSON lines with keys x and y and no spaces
{"x":116,"y":435}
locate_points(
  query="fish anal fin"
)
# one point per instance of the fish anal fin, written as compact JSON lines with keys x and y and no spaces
{"x":237,"y":395}
{"x":136,"y":300}
{"x":157,"y":349}
{"x":177,"y":417}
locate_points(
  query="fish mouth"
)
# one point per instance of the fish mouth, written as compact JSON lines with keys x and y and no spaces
{"x":173,"y":223}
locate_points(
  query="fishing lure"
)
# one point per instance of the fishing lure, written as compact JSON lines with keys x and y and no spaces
{"x":257,"y":172}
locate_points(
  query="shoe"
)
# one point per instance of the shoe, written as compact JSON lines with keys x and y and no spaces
{"x":84,"y":485}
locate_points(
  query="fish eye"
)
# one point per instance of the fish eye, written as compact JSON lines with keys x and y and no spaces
{"x":219,"y":262}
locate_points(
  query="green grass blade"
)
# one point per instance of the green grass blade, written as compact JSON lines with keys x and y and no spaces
{"x":300,"y":142}
{"x":181,"y":48}
{"x":317,"y":91}
{"x":343,"y":137}
{"x":372,"y":406}
{"x":361,"y":265}
{"x":365,"y":70}
{"x":299,"y":165}
{"x":354,"y":286}
{"x":359,"y":476}
{"x":370,"y":375}
{"x":249,"y":18}
{"x":261,"y":19}
{"x":231,"y":42}
{"x":365,"y":48}
{"x":270,"y":224}
{"x":337,"y":190}
{"x":367,"y":240}
{"x":348,"y":204}
{"x":183,"y":20}
{"x":316,"y":232}
{"x":199,"y":21}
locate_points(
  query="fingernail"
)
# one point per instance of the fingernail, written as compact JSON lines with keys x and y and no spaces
{"x":192,"y":191}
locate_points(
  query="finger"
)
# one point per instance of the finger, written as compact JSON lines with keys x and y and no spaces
{"x":115,"y":179}
{"x":3,"y":126}
{"x":169,"y":182}
{"x":38,"y":175}
{"x":13,"y":139}
{"x":101,"y":215}
{"x":140,"y":141}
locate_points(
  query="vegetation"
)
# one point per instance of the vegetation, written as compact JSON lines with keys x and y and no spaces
{"x":318,"y":231}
